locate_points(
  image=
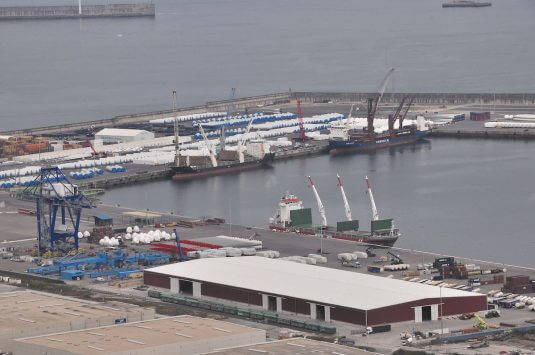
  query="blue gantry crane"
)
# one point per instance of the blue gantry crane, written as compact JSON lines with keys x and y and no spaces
{"x":53,"y":193}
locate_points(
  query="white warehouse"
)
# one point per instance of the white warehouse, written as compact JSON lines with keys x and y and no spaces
{"x":120,"y":135}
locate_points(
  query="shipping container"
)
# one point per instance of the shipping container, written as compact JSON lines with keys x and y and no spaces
{"x":480,"y":116}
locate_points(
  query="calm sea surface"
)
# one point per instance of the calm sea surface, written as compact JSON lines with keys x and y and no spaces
{"x":470,"y":197}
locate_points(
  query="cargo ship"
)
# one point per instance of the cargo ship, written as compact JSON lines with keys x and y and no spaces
{"x":367,"y":139}
{"x":225,"y":161}
{"x":293,"y":217}
{"x":189,"y":172}
{"x":465,"y":3}
{"x":360,"y":141}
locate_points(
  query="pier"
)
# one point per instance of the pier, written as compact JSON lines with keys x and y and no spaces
{"x":77,"y":11}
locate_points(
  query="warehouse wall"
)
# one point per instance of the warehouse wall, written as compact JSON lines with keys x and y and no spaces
{"x":405,"y":311}
{"x":396,"y":313}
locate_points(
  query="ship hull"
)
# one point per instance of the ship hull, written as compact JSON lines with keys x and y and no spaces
{"x":387,"y":241}
{"x":468,"y":4}
{"x":190,"y":173}
{"x":347,"y":146}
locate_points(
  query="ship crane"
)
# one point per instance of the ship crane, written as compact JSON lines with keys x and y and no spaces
{"x":375,"y":214}
{"x":397,"y":114}
{"x":402,"y":117}
{"x":374,"y":102}
{"x":208,"y":146}
{"x":175,"y":126}
{"x":302,"y":135}
{"x":241,"y":142}
{"x":346,"y":204}
{"x":321,"y":208}
{"x":230,"y":112}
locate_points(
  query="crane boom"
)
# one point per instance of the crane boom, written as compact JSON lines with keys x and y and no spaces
{"x":344,"y":197}
{"x":243,"y":139}
{"x":321,"y":208}
{"x":375,"y":214}
{"x":208,"y":146}
{"x":302,"y":135}
{"x":374,"y":102}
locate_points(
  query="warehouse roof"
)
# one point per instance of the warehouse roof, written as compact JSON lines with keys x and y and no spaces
{"x":308,"y":282}
{"x":295,"y":346}
{"x":120,"y":132}
{"x":132,"y":337}
{"x":22,"y":309}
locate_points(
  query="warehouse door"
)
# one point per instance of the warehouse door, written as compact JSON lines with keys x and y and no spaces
{"x":320,"y":312}
{"x":426,"y":313}
{"x":186,"y":287}
{"x":272,"y":303}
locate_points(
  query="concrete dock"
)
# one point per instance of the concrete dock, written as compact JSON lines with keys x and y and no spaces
{"x":72,"y":12}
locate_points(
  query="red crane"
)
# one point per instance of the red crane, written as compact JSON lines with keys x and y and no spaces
{"x":302,"y":135}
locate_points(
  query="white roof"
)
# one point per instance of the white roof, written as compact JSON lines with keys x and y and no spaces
{"x":120,"y":132}
{"x":309,"y":282}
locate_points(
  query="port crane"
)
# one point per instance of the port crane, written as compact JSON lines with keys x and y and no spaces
{"x":375,"y":213}
{"x":373,"y":102}
{"x":209,"y":146}
{"x":53,"y":193}
{"x":243,"y":139}
{"x":344,"y":197}
{"x":321,"y":208}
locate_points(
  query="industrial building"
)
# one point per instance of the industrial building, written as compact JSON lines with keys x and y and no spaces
{"x":321,"y":293}
{"x":30,"y":313}
{"x":174,"y":335}
{"x":295,"y":346}
{"x":120,"y":135}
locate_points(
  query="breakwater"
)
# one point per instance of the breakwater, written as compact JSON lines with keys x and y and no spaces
{"x":83,"y":11}
{"x":285,"y":97}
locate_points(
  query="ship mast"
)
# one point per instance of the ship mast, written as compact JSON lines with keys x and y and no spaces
{"x":346,"y":204}
{"x":177,"y":148}
{"x":375,"y":214}
{"x":321,"y":208}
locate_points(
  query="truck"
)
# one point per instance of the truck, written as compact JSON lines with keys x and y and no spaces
{"x":379,"y":329}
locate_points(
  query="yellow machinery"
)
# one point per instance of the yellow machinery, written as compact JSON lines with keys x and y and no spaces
{"x":481,"y":324}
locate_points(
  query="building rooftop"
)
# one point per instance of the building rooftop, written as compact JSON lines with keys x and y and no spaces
{"x":23,"y":309}
{"x":120,"y":132}
{"x":296,"y":346}
{"x":132,"y":337}
{"x":308,"y":282}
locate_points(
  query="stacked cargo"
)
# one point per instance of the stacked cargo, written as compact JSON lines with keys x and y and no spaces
{"x":518,"y":284}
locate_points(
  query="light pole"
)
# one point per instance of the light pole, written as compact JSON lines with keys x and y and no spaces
{"x":441,"y":314}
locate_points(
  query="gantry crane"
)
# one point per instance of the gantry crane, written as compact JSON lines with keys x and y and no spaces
{"x":53,"y":193}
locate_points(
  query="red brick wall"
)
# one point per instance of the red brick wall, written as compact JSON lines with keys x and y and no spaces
{"x":348,"y":315}
{"x":156,"y":279}
{"x":405,"y":311}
